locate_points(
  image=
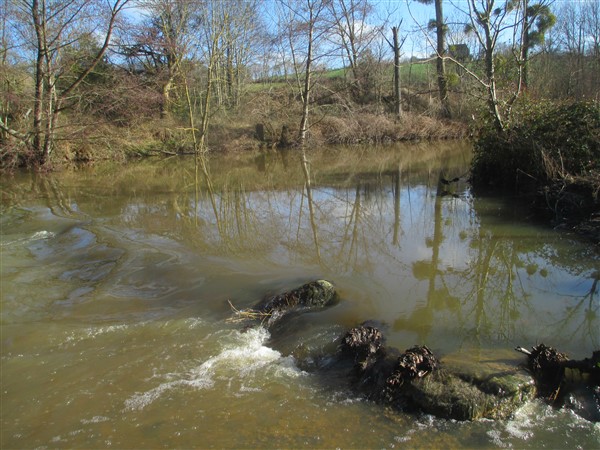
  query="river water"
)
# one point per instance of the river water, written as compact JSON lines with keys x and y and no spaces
{"x":118,"y":281}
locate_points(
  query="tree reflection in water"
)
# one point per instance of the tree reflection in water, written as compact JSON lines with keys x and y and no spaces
{"x":431,"y":259}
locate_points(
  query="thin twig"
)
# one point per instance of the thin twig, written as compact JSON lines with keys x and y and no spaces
{"x":247,"y":314}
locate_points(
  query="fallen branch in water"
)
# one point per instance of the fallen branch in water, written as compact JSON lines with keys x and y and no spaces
{"x":247,"y":314}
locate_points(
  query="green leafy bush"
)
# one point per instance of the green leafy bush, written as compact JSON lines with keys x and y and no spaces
{"x":543,"y":143}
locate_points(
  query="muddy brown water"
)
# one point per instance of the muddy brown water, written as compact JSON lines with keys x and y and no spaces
{"x":116,"y":283}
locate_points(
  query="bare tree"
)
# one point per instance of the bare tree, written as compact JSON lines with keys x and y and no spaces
{"x":397,"y":90}
{"x":242,"y":35}
{"x":536,"y":20}
{"x":159,"y":44}
{"x":195,"y":48}
{"x":592,"y":30}
{"x":488,"y":20}
{"x":213,"y":20}
{"x":396,"y":45}
{"x":53,"y":28}
{"x":592,"y":27}
{"x":6,"y":79}
{"x":305,"y":28}
{"x":578,"y":28}
{"x":353,"y":33}
{"x":439,"y":24}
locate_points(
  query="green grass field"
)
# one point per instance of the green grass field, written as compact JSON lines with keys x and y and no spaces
{"x":415,"y":73}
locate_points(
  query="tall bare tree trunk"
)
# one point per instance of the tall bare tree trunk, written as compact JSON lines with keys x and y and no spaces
{"x":397,"y":91}
{"x":51,"y":116}
{"x":440,"y":63}
{"x":307,"y":84}
{"x":204,"y":120}
{"x":525,"y":47}
{"x":492,"y":97}
{"x":38,"y":99}
{"x":305,"y":106}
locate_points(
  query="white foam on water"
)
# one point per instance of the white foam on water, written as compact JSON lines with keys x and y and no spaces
{"x":42,"y":235}
{"x":93,"y":332}
{"x":193,"y":322}
{"x":37,"y":236}
{"x":95,"y":419}
{"x":521,"y":425}
{"x":528,"y":422}
{"x":238,"y":361}
{"x":140,"y":401}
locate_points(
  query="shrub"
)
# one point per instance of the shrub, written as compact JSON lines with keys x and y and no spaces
{"x":543,"y":143}
{"x":337,"y":130}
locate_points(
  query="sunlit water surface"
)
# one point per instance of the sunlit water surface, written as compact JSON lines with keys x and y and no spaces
{"x":116,"y":283}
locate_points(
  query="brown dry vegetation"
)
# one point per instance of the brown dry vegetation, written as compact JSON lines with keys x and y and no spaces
{"x":98,"y":138}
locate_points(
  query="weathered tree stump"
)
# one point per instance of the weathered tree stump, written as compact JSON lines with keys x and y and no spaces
{"x":362,"y":343}
{"x":417,"y":381}
{"x":285,"y":140}
{"x":546,"y":364}
{"x":565,"y":382}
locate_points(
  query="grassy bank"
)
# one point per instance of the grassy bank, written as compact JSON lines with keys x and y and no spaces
{"x":550,"y":155}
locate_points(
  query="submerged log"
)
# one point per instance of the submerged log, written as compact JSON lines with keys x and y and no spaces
{"x":481,"y":384}
{"x":471,"y":385}
{"x":448,"y":396}
{"x":314,"y":295}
